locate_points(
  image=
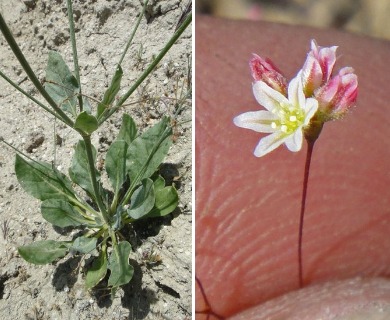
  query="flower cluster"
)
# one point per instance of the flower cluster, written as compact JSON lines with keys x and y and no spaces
{"x":301,"y":107}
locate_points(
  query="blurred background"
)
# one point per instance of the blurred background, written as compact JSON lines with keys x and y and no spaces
{"x":368,"y":17}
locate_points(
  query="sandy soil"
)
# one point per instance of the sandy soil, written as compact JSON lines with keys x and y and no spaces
{"x":157,"y":291}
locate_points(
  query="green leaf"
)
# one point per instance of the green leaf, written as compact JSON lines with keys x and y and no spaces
{"x":84,"y":245}
{"x":45,"y":251}
{"x":116,"y":164}
{"x":166,"y":201}
{"x":79,"y":170}
{"x":63,"y":87}
{"x":41,"y":181}
{"x":159,"y":183}
{"x":98,"y":270}
{"x":113,"y":89}
{"x":146,"y":152}
{"x":87,"y":105}
{"x":128,"y":130}
{"x":116,"y":221}
{"x":62,"y":214}
{"x":86,"y":122}
{"x":142,"y":200}
{"x":121,"y":270}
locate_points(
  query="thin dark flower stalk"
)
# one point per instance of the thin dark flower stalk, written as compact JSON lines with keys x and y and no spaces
{"x":309,"y":152}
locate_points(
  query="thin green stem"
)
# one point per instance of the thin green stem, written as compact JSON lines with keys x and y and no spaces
{"x":27,"y":95}
{"x":114,"y":241}
{"x":74,"y":49}
{"x":96,"y":189}
{"x":114,"y":203}
{"x":310,"y":146}
{"x":83,"y":209}
{"x":143,"y":76}
{"x":133,"y":32}
{"x":54,"y":161}
{"x":30,"y":73}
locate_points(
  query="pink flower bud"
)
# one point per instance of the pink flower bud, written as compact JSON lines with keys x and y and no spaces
{"x":318,"y":67}
{"x":264,"y":70}
{"x":338,"y":95}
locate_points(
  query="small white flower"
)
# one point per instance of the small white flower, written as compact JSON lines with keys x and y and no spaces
{"x":284,"y":118}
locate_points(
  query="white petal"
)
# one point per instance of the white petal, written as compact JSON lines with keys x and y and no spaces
{"x":259,"y":121}
{"x":269,"y":143}
{"x":295,"y":91}
{"x":294,"y":141}
{"x":268,"y":97}
{"x":310,"y":109}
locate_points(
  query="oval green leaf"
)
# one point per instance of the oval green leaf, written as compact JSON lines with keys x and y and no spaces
{"x":86,"y":123}
{"x":146,"y":152}
{"x":142,"y":200}
{"x":42,"y":181}
{"x":121,"y":270}
{"x":167,"y":200}
{"x":116,"y":164}
{"x":61,"y":85}
{"x":62,"y":214}
{"x":84,"y":244}
{"x":97,"y":272}
{"x":79,"y":170}
{"x":128,"y":130}
{"x":45,"y":251}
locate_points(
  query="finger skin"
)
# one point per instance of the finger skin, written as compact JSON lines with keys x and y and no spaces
{"x":357,"y":299}
{"x":247,"y":208}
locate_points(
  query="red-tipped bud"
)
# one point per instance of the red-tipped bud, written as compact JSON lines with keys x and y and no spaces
{"x":318,"y":67}
{"x":338,"y":95}
{"x":264,"y":70}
